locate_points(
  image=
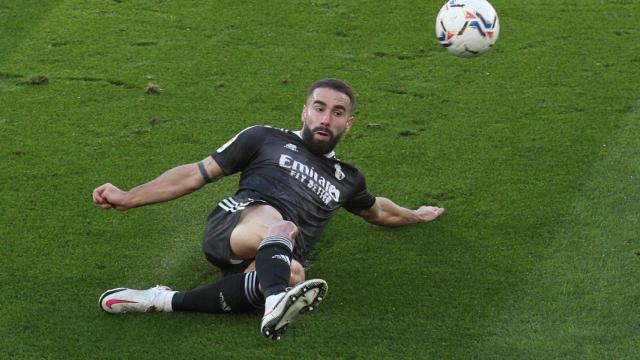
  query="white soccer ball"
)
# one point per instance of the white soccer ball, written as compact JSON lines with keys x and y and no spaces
{"x":467,"y":27}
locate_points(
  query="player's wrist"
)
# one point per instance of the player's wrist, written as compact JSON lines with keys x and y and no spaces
{"x":129,"y":200}
{"x":415,"y":216}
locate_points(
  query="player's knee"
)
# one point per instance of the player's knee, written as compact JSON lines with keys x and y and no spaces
{"x":286,"y":228}
{"x":297,"y":273}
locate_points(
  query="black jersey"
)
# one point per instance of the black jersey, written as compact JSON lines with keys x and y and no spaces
{"x":306,"y":189}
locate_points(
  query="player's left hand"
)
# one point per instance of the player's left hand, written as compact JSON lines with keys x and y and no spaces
{"x":429,"y":213}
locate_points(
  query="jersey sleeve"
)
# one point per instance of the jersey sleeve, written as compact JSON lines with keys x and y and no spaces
{"x":362,"y":199}
{"x":237,"y":153}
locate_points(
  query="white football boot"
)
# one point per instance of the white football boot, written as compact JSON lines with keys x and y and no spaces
{"x":296,"y":300}
{"x":123,"y":300}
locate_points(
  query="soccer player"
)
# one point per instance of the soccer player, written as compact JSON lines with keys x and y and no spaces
{"x":291,"y":184}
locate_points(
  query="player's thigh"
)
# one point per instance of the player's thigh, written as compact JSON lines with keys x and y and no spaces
{"x":257,"y":222}
{"x":216,"y":240}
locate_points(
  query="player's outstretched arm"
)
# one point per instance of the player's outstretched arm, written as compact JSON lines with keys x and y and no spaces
{"x":172,"y":184}
{"x":385,"y":212}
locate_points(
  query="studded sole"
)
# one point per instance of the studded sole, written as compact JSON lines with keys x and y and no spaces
{"x":275,"y":328}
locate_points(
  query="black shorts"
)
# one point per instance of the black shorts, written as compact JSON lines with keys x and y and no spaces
{"x":218,"y":227}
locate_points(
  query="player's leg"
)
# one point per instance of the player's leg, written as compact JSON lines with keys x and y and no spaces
{"x":236,"y":291}
{"x":260,"y":233}
{"x":263,"y":234}
{"x":255,"y":223}
{"x":297,"y":272}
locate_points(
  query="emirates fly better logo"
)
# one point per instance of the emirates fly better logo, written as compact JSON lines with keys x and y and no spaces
{"x":322,"y":187}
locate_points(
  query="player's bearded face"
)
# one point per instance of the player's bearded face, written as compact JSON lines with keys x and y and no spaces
{"x":320,"y":147}
{"x":325,"y":118}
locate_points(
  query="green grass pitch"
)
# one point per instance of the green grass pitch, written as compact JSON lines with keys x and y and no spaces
{"x":533,"y":149}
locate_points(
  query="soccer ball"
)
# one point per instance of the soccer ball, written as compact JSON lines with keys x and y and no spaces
{"x":467,"y":27}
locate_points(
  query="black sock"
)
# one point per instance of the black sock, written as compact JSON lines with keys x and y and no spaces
{"x":234,"y":293}
{"x":273,"y":264}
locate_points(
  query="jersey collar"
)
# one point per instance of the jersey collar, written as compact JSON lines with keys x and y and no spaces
{"x":329,"y":155}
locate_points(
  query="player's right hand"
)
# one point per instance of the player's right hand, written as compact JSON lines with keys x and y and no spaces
{"x":108,"y":196}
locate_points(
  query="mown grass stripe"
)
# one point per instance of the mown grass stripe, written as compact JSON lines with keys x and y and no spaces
{"x":503,"y":141}
{"x":581,"y":300}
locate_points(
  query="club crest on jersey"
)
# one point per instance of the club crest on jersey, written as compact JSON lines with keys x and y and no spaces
{"x":339,"y":174}
{"x":291,"y":147}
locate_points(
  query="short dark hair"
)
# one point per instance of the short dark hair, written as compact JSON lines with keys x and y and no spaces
{"x":337,"y":85}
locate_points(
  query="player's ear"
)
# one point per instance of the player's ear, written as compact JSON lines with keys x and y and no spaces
{"x":349,"y":123}
{"x":304,"y":110}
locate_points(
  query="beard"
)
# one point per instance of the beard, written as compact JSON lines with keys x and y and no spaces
{"x":319,"y":147}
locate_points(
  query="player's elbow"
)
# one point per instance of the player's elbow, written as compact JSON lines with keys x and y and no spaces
{"x":193,"y":184}
{"x":194,"y":181}
{"x":378,"y":219}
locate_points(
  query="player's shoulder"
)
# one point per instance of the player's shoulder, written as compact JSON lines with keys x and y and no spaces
{"x":266,"y":130}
